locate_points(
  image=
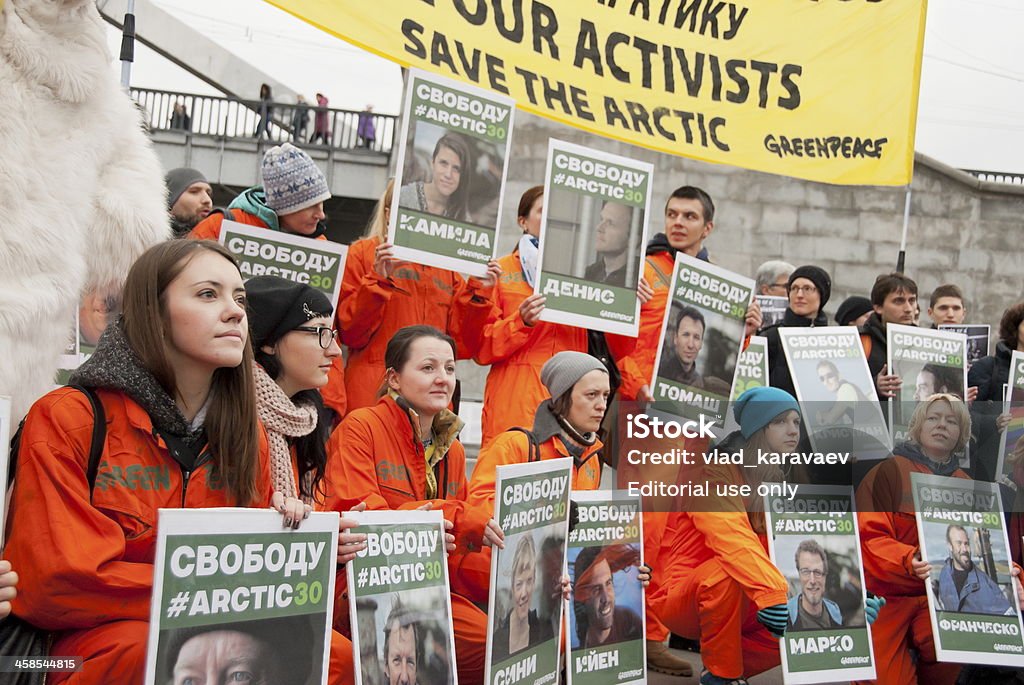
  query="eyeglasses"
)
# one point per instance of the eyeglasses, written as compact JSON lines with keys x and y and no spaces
{"x":828,"y":376}
{"x":802,"y":289}
{"x":812,"y":572}
{"x":326,"y":335}
{"x":777,"y":286}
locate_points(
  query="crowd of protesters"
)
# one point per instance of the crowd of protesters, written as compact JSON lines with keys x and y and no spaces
{"x":242,"y":391}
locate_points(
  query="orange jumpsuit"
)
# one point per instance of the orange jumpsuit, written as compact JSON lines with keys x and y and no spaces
{"x":638,"y":367}
{"x":712,"y":577}
{"x":86,"y":569}
{"x":516,"y":353}
{"x":372,"y":309}
{"x":209,"y":229}
{"x":472,"y":571}
{"x":375,"y":456}
{"x":888,"y":540}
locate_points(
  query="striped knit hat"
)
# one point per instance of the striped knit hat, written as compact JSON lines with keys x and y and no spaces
{"x":291,"y":180}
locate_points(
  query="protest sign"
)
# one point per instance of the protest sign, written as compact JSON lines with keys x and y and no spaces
{"x":97,"y":308}
{"x":725,"y":82}
{"x":751,"y":372}
{"x":702,"y":333}
{"x":399,"y":599}
{"x":836,"y":392}
{"x":772,"y":309}
{"x":320,"y":264}
{"x":978,"y":339}
{"x":452,"y":163}
{"x":606,"y":644}
{"x":813,"y":541}
{"x":5,"y":457}
{"x":1011,"y":442}
{"x":592,"y":238}
{"x":961,"y":530}
{"x":523,"y":625}
{"x":245,"y":585}
{"x":928,"y":361}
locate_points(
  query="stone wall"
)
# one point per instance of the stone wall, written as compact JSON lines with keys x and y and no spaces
{"x":961,"y":230}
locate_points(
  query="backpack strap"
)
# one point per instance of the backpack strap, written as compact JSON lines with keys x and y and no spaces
{"x":865,"y":342}
{"x":662,"y":276}
{"x":532,"y":439}
{"x":99,"y":436}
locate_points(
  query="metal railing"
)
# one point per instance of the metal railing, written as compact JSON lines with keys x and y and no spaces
{"x":996,"y":176}
{"x":224,"y":117}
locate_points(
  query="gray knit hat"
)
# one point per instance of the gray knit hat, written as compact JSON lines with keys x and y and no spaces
{"x":562,"y":371}
{"x":178,"y":181}
{"x":291,"y":180}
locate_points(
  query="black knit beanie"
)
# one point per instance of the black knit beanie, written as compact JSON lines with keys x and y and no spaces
{"x":277,"y":306}
{"x":816,"y":275}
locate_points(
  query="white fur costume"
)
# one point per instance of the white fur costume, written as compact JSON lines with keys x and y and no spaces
{"x":81,"y":190}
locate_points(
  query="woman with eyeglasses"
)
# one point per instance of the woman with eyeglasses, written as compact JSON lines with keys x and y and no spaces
{"x":808,"y":290}
{"x":294,"y":346}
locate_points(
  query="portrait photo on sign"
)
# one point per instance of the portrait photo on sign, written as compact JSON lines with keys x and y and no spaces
{"x":404,"y":638}
{"x":449,"y":174}
{"x":922,"y":380}
{"x":699,"y":349}
{"x":823,"y":572}
{"x":593,"y":239}
{"x":529,"y":591}
{"x":607,"y":597}
{"x":970,"y":573}
{"x":284,"y":651}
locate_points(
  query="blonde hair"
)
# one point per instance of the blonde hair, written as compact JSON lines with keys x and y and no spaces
{"x":963,"y":417}
{"x":525,"y":556}
{"x":377,"y":227}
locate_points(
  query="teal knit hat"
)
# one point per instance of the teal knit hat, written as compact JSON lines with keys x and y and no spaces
{"x":756,"y":408}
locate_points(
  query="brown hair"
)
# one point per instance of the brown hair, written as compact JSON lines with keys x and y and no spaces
{"x":527,"y":200}
{"x":458,"y":203}
{"x":947,"y":290}
{"x":396,"y":354}
{"x":1009,"y":324}
{"x":890,"y":283}
{"x":232,"y":429}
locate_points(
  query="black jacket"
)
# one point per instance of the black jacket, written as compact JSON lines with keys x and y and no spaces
{"x":988,"y":374}
{"x":778,"y":370}
{"x":879,"y":352}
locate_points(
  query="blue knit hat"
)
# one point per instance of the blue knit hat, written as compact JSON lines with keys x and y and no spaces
{"x":291,"y":180}
{"x":756,"y":408}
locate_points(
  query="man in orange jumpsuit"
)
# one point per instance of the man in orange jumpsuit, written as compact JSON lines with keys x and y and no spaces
{"x":689,"y":220}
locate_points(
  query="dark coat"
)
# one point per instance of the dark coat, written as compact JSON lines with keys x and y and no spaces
{"x":988,"y":374}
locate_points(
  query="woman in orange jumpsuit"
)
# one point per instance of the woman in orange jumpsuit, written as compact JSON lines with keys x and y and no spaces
{"x":174,"y":377}
{"x":380,"y":295}
{"x":403,"y":453}
{"x":939,"y":427}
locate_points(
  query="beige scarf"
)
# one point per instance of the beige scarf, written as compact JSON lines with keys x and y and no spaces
{"x":283,"y":420}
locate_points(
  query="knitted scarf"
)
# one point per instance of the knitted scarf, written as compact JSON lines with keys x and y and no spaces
{"x":115,"y":365}
{"x":283,"y":420}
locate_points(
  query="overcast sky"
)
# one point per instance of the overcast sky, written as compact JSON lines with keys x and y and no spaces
{"x":971,"y":112}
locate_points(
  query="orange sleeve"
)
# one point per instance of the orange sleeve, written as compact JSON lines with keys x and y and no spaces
{"x":885,"y":557}
{"x":621,"y":346}
{"x":739,"y":551}
{"x":511,"y":447}
{"x":351,"y":475}
{"x":637,"y":365}
{"x":364,"y":293}
{"x":208,"y":228}
{"x":469,"y":314}
{"x":68,"y":555}
{"x":503,"y":334}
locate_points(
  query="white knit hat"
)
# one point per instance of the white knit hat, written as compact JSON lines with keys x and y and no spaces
{"x":291,"y":180}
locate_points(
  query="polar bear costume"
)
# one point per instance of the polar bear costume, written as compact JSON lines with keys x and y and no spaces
{"x":81,"y":189}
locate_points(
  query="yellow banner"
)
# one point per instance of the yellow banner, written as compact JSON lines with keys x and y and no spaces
{"x":824,"y":90}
